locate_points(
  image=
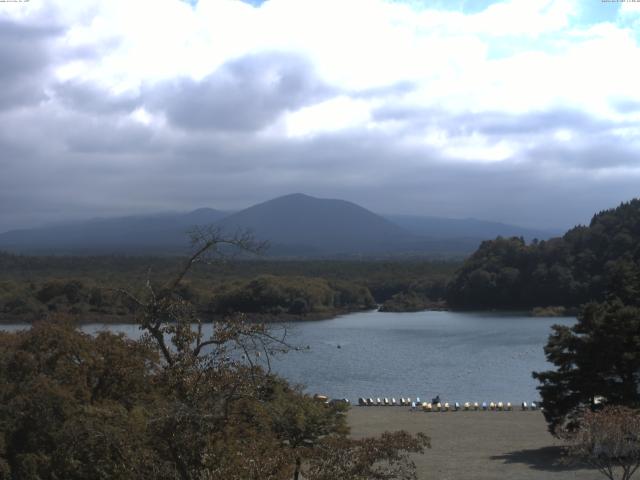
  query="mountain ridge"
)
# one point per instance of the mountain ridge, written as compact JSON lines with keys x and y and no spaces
{"x":330,"y":225}
{"x":296,"y":225}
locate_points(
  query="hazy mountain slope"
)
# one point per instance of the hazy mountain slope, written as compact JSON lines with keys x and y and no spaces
{"x":296,"y":225}
{"x":470,"y":228}
{"x":320,"y":225}
{"x":164,"y":232}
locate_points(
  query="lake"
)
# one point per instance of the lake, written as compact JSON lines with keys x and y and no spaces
{"x":462,"y":357}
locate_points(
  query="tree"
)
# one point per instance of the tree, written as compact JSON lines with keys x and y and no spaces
{"x":212,"y":422}
{"x":72,"y":405}
{"x":302,"y":421}
{"x":213,"y":392}
{"x":597,"y":357}
{"x":587,"y":263}
{"x":609,"y":440}
{"x":175,"y":405}
{"x":382,"y":458}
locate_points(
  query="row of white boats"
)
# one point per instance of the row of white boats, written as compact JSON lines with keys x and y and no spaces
{"x":444,"y":406}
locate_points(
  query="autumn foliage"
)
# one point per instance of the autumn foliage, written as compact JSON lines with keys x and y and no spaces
{"x":174,"y":405}
{"x":609,"y":440}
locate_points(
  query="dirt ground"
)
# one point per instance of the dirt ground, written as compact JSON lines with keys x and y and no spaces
{"x":476,"y":445}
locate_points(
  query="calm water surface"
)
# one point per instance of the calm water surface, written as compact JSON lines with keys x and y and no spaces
{"x":460,"y":356}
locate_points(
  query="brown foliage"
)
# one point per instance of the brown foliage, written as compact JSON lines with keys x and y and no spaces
{"x":382,"y":458}
{"x":175,"y":405}
{"x":609,"y":440}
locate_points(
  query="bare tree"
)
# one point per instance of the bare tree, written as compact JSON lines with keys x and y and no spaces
{"x":206,"y":376}
{"x":609,"y":440}
{"x":166,"y":317}
{"x":225,"y":415}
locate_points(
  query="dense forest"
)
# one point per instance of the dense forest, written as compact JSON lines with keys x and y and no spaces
{"x":89,"y":287}
{"x":588,"y":263}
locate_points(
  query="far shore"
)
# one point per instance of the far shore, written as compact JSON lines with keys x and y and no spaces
{"x":482,"y":445}
{"x":108,"y":319}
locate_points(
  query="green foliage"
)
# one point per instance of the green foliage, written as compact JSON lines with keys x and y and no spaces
{"x":550,"y":311}
{"x":31,"y":287}
{"x":597,"y":357}
{"x":382,"y":458}
{"x":294,"y":295}
{"x":271,"y":294}
{"x":303,"y":422}
{"x":408,"y":302}
{"x":587,"y":263}
{"x":174,"y":404}
{"x":75,"y":406}
{"x":71,"y":404}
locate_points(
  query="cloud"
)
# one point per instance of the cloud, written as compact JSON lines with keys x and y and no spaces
{"x":496,"y":123}
{"x":95,"y":136}
{"x":24,"y":58}
{"x":90,"y":98}
{"x":515,"y":111}
{"x":624,"y":105}
{"x":243,"y":94}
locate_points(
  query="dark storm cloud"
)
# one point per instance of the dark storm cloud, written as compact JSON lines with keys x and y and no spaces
{"x":23,"y":59}
{"x":12,"y":149}
{"x":233,"y":170}
{"x":346,"y":154}
{"x":243,"y":95}
{"x":86,"y":97}
{"x":606,"y":153}
{"x":101,"y":137}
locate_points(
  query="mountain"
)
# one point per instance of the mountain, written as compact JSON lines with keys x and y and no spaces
{"x":158,"y":233}
{"x":307,"y":225}
{"x":295,"y":225}
{"x":469,"y":228}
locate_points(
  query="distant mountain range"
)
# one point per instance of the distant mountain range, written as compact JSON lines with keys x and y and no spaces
{"x":295,"y":225}
{"x":438,"y":227}
{"x":153,"y":234}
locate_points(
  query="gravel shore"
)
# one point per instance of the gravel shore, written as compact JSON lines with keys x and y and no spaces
{"x":476,"y":445}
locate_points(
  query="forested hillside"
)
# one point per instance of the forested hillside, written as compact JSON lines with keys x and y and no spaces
{"x":588,"y":263}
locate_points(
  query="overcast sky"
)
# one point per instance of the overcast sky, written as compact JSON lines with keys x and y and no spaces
{"x":522,"y":111}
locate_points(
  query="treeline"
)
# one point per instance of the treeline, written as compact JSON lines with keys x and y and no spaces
{"x":269,"y":294}
{"x":589,"y":263}
{"x":265,"y":294}
{"x":32,"y":300}
{"x":31,"y":287}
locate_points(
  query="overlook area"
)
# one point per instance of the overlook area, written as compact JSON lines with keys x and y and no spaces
{"x":319,"y":240}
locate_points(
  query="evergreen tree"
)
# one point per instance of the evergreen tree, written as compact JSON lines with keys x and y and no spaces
{"x":597,"y":357}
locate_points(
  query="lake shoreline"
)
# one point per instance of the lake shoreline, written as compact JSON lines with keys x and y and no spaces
{"x":111,"y":319}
